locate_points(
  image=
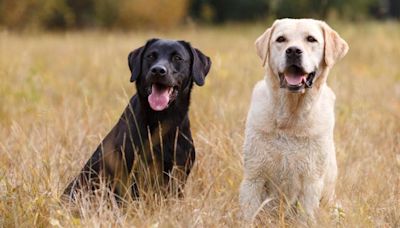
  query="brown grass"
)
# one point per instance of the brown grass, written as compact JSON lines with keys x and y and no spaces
{"x":61,"y":93}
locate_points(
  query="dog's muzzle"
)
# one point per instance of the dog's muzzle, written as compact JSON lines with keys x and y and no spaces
{"x":296,"y":80}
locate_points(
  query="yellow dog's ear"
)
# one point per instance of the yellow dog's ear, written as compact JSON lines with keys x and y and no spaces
{"x":262,"y":44}
{"x":335,"y":47}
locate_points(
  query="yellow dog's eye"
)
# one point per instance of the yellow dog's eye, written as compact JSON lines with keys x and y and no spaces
{"x":280,"y":39}
{"x":311,"y":39}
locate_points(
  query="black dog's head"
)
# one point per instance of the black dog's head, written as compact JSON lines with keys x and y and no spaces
{"x":164,"y":70}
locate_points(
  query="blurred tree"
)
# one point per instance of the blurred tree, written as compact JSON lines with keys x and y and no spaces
{"x":106,"y":13}
{"x":302,"y":8}
{"x":159,"y":14}
{"x":35,"y":13}
{"x":355,"y":9}
{"x":55,"y":14}
{"x":83,"y":10}
{"x":225,"y":10}
{"x":155,"y":13}
{"x":65,"y":14}
{"x":17,"y":15}
{"x":229,"y":10}
{"x":394,"y":8}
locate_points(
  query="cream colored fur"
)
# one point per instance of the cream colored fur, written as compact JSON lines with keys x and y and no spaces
{"x":289,"y":152}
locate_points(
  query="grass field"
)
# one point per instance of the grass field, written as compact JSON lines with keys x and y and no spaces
{"x":61,"y":93}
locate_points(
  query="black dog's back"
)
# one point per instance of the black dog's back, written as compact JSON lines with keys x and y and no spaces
{"x":149,"y":148}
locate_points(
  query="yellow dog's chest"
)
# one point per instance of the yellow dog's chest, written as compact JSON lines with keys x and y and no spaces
{"x":289,"y":155}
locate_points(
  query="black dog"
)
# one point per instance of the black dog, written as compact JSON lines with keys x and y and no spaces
{"x":151,"y":145}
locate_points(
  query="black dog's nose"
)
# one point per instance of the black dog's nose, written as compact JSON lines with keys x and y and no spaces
{"x":159,"y":70}
{"x":293,"y":52}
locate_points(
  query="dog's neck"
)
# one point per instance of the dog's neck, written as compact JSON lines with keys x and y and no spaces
{"x":289,"y":107}
{"x":168,"y":119}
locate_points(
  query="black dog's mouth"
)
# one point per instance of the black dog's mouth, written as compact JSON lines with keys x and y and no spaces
{"x":296,"y":79}
{"x":161,"y":96}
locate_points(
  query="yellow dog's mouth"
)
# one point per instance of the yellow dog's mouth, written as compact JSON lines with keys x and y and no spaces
{"x":296,"y":79}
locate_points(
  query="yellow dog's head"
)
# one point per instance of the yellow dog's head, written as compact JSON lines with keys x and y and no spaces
{"x":298,"y":51}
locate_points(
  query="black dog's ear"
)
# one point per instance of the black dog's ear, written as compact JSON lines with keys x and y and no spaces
{"x":201,"y":64}
{"x":135,"y":60}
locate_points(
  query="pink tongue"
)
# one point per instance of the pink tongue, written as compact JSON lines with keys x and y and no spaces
{"x":158,"y":98}
{"x":294,"y":79}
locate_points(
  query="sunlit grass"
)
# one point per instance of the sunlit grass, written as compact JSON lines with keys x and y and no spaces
{"x":61,"y":93}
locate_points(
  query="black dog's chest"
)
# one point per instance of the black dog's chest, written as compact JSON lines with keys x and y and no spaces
{"x":163,"y":149}
{"x":160,"y":155}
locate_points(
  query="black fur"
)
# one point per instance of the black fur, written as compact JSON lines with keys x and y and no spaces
{"x":161,"y":140}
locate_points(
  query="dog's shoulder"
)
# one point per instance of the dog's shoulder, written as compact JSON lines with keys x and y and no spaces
{"x":329,"y":94}
{"x":259,"y":96}
{"x":259,"y":108}
{"x":259,"y":91}
{"x":327,"y":100}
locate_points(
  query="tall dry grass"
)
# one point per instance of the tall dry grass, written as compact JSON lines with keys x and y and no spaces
{"x":61,"y":93}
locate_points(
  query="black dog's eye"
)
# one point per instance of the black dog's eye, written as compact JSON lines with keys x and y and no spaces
{"x":177,"y":58}
{"x":151,"y":56}
{"x":311,"y":39}
{"x":280,"y":39}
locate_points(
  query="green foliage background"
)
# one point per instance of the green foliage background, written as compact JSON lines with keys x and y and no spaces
{"x":165,"y":14}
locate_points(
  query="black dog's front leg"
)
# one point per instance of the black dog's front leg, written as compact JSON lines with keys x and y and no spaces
{"x":106,"y":167}
{"x":183,"y":157}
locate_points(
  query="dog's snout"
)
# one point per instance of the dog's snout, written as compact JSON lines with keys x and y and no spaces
{"x":159,"y":70}
{"x":293,"y":52}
